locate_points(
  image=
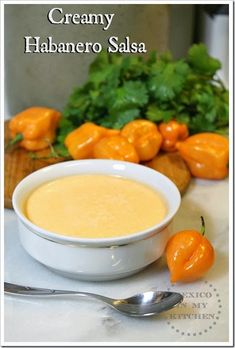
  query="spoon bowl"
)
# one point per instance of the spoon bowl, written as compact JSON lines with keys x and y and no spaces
{"x":148,"y":303}
{"x":140,"y":305}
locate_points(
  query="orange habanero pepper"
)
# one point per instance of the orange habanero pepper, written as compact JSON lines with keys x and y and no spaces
{"x":81,"y":141}
{"x":206,"y":155}
{"x":189,"y":255}
{"x":144,"y":135}
{"x":172,"y":132}
{"x":36,"y":126}
{"x":115,"y":147}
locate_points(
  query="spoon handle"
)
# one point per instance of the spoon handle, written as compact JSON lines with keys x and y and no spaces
{"x":28,"y":290}
{"x":16,"y":289}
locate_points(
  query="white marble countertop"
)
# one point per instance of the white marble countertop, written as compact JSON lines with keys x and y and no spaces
{"x":202,"y":317}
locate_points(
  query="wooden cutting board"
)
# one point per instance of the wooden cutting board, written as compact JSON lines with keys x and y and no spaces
{"x":18,"y":164}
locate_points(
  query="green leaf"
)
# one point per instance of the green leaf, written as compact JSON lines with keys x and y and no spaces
{"x":199,"y":124}
{"x":166,"y":57}
{"x":152,"y":57}
{"x":155,"y":114}
{"x":101,"y":61}
{"x":222,"y":131}
{"x":116,"y":59}
{"x":131,"y":95}
{"x":183,"y":118}
{"x":108,"y":75}
{"x":65,"y":127}
{"x":119,"y":119}
{"x":167,"y":80}
{"x":200,"y":60}
{"x":133,"y":67}
{"x":61,"y":150}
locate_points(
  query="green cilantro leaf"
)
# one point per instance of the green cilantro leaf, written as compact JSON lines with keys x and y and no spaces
{"x":155,"y":114}
{"x":131,"y":94}
{"x":118,"y":119}
{"x":200,"y":60}
{"x":167,"y":80}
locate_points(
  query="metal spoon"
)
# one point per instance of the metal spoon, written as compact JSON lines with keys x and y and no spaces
{"x":143,"y":304}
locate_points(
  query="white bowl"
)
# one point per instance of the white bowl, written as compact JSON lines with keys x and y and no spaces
{"x":96,"y":259}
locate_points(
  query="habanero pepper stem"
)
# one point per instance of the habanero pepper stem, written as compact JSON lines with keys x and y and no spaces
{"x":203,"y":227}
{"x":19,"y":137}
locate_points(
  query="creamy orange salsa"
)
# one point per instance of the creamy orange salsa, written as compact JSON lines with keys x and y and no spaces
{"x":95,"y":206}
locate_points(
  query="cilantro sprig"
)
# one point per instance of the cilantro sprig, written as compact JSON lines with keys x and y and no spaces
{"x":121,"y":88}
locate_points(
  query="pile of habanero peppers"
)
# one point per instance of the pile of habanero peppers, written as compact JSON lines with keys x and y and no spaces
{"x":206,"y":154}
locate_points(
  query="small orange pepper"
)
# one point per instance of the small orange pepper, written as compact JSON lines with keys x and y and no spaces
{"x":144,"y":135}
{"x":80,"y":142}
{"x":172,"y":132}
{"x":189,"y":255}
{"x":36,"y":125}
{"x":206,"y":155}
{"x":115,"y":147}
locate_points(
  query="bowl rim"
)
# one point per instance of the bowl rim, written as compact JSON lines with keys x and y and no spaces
{"x":113,"y":241}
